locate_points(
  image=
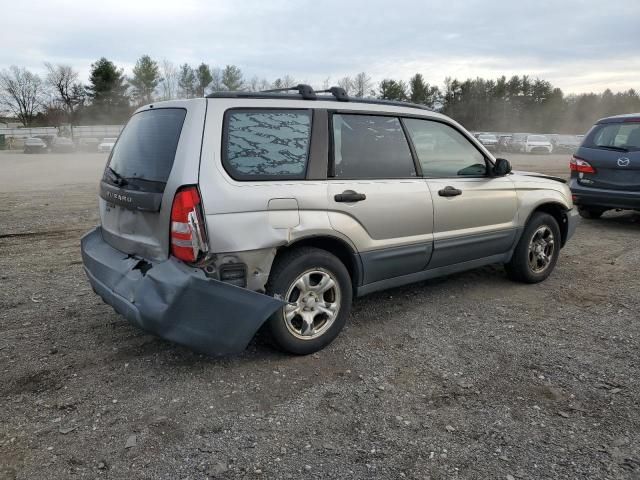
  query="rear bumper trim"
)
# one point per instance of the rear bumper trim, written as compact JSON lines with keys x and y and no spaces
{"x":596,"y":197}
{"x":175,"y":301}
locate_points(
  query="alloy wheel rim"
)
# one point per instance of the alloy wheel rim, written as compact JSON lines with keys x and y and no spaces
{"x":541,"y":249}
{"x":313,"y":303}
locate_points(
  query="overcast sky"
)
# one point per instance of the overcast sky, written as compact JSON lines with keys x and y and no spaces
{"x":579,"y":46}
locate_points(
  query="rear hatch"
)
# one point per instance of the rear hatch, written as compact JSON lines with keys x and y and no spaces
{"x":613,"y":150}
{"x":157,"y":152}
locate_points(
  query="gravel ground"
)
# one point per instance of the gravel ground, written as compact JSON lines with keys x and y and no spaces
{"x":469,"y":376}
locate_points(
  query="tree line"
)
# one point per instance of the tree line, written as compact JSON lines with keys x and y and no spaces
{"x":516,"y":104}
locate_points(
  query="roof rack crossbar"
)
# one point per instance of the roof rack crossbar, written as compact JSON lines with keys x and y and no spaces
{"x":339,"y":93}
{"x":305,"y":90}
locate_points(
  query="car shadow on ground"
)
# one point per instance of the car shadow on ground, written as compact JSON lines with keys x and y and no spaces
{"x":622,"y":220}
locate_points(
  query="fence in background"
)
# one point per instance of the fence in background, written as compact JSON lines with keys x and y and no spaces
{"x":13,"y":138}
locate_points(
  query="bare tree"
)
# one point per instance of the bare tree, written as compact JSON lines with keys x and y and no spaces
{"x":67,"y":92}
{"x":326,"y":83}
{"x":216,"y":84}
{"x":253,"y":84}
{"x":362,"y":85}
{"x":21,"y":92}
{"x":169,"y":84}
{"x":347,"y":84}
{"x":288,"y":81}
{"x":264,"y":84}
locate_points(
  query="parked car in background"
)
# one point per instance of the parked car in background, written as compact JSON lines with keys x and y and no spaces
{"x":503,"y":143}
{"x":63,"y":145}
{"x":565,"y":143}
{"x":106,"y":145}
{"x":223,"y":215}
{"x":605,"y":169}
{"x":516,"y":144}
{"x":88,"y":144}
{"x":489,"y":140}
{"x":537,"y":144}
{"x":34,"y":145}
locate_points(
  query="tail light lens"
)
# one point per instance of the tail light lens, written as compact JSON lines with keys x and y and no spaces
{"x":188,"y":236}
{"x":578,"y":164}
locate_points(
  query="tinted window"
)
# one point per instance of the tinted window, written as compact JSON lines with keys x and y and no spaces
{"x":367,"y":146}
{"x":624,"y":136}
{"x":147,"y":146}
{"x":443,"y":151}
{"x":267,"y":143}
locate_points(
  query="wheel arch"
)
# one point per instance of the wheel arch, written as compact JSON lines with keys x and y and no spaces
{"x":338,"y":247}
{"x":558,"y":211}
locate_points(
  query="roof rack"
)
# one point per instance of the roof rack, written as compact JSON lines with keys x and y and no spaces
{"x":306,"y":92}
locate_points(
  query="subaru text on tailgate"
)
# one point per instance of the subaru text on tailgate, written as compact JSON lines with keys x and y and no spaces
{"x":227,"y":214}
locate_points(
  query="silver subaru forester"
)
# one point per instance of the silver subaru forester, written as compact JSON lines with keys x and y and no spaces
{"x":225,"y":214}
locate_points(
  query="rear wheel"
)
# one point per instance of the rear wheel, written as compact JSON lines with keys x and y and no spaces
{"x":591,"y":213}
{"x":317,"y":288}
{"x":537,"y":252}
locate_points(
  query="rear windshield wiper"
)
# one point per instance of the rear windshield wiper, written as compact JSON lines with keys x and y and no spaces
{"x":617,"y":149}
{"x":118,"y":179}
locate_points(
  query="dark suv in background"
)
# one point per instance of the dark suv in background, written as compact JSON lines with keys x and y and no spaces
{"x":605,"y":170}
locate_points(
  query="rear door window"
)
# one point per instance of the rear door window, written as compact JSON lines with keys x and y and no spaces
{"x":370,"y":147}
{"x":144,"y":153}
{"x":266,"y":144}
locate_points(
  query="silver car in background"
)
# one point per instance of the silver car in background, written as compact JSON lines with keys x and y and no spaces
{"x":106,"y":145}
{"x":224,"y":215}
{"x":537,"y":144}
{"x":489,"y":141}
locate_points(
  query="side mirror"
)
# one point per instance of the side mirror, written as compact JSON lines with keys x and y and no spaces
{"x":502,"y":167}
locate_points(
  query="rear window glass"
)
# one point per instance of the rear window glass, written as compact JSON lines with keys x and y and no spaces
{"x":267,"y":144}
{"x":618,"y":136}
{"x":537,"y":138}
{"x":147,"y":146}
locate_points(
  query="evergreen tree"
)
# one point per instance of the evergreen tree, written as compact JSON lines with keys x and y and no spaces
{"x":145,"y":80}
{"x":203,"y":79}
{"x":393,"y":90}
{"x":423,"y":93}
{"x":108,"y":93}
{"x":186,"y":81}
{"x":232,"y":78}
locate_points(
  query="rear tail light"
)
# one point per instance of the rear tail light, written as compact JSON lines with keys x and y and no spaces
{"x":578,"y":164}
{"x":188,"y":236}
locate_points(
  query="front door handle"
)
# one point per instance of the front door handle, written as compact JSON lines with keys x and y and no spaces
{"x":449,"y":191}
{"x":349,"y":196}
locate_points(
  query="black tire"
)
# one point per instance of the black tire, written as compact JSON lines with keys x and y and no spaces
{"x":520,"y":268}
{"x":287,"y":268}
{"x":591,"y":213}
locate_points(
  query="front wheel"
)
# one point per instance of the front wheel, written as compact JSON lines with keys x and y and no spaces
{"x":537,"y":252}
{"x":317,"y":288}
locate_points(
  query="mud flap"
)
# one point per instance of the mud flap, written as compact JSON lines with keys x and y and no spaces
{"x":175,"y":301}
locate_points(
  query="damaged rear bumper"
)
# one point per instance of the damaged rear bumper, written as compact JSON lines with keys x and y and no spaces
{"x":175,"y":301}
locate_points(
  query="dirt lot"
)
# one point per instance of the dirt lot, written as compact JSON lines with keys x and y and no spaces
{"x":470,"y":376}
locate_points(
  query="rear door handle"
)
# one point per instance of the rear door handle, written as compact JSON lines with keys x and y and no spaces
{"x":349,"y":196}
{"x":449,"y":191}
